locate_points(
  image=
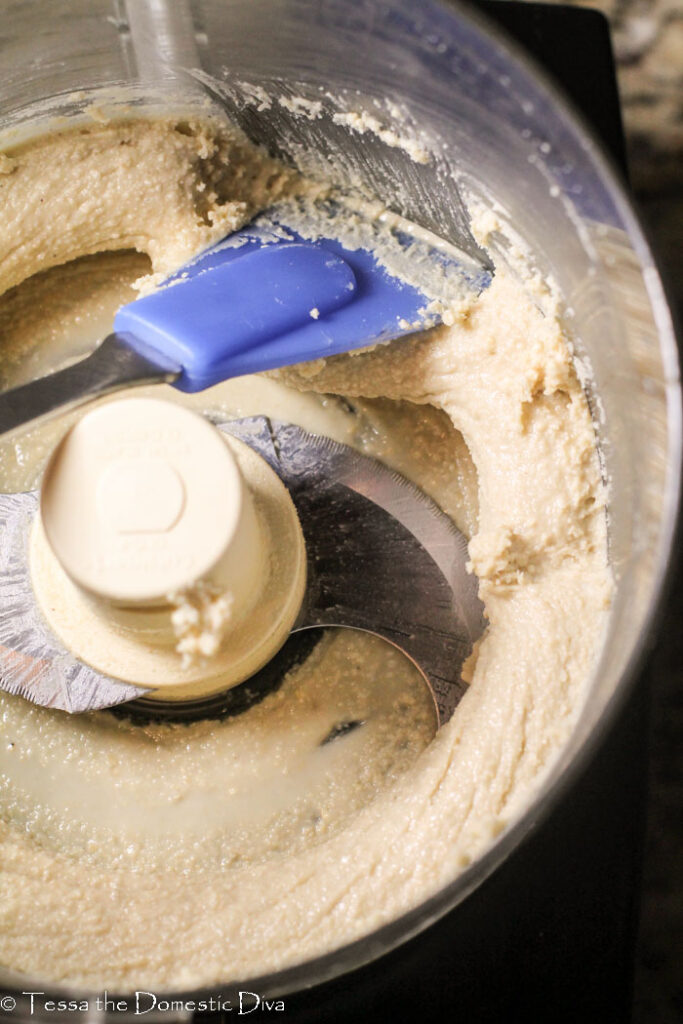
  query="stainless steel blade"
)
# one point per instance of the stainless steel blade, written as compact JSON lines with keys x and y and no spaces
{"x":382,"y":557}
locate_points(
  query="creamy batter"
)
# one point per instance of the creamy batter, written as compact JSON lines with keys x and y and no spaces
{"x":171,"y":855}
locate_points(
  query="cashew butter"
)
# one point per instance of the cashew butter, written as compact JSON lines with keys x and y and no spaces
{"x":168,"y":854}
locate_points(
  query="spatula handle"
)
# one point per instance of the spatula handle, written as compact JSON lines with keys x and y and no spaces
{"x":113,"y":365}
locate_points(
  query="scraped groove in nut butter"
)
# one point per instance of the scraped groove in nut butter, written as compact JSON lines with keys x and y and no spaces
{"x":256,"y":843}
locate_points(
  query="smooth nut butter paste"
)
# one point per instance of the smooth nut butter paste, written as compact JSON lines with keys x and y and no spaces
{"x":142,"y":853}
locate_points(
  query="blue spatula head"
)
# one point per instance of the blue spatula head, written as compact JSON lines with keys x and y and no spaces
{"x":258,"y":301}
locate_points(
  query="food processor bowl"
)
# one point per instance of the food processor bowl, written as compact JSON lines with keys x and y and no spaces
{"x":423,"y":106}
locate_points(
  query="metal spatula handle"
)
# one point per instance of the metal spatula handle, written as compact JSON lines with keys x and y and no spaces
{"x":112,"y":366}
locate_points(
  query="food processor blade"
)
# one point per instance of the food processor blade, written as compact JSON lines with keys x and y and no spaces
{"x":381,"y":557}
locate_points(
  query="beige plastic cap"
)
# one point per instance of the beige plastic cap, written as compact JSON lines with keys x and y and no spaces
{"x":143,"y":498}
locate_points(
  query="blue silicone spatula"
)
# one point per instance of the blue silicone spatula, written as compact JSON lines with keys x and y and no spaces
{"x":251,"y":304}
